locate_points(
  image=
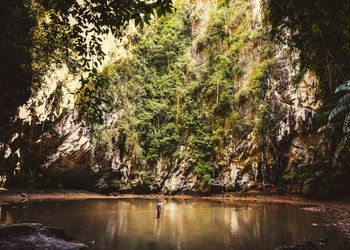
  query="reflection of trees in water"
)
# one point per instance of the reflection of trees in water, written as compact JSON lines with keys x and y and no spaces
{"x":133,"y":223}
{"x":157,"y":230}
{"x":187,"y":223}
{"x":5,"y":216}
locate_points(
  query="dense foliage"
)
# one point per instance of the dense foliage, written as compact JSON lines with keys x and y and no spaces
{"x":38,"y":37}
{"x":201,"y":87}
{"x":179,"y":95}
{"x":15,"y":59}
{"x":77,"y":28}
{"x":320,"y":31}
{"x":342,"y":111}
{"x":40,"y":33}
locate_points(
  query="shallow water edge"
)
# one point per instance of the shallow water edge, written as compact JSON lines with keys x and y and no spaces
{"x":335,"y":212}
{"x":130,"y":223}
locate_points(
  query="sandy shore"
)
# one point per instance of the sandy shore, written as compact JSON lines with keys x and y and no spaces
{"x":336,"y":212}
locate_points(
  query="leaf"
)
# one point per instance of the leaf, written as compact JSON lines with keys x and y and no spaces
{"x":338,"y":110}
{"x":160,"y":12}
{"x":141,"y":24}
{"x":147,"y":20}
{"x":343,"y":87}
{"x":346,"y":124}
{"x":137,"y":21}
{"x":341,"y":146}
{"x":345,"y":99}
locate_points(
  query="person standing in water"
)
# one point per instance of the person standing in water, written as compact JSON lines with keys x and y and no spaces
{"x":159,"y":208}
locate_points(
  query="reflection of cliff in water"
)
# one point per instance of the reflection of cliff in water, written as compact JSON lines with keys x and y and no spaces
{"x":132,"y":224}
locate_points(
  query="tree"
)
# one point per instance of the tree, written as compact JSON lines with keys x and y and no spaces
{"x":80,"y":23}
{"x":71,"y":27}
{"x":15,"y":59}
{"x":342,"y":111}
{"x":319,"y":31}
{"x":77,"y":26}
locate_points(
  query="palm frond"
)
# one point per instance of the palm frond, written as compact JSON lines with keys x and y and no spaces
{"x":343,"y":87}
{"x":345,"y":99}
{"x":342,"y":145}
{"x":339,"y":110}
{"x":346,"y":124}
{"x":343,"y":108}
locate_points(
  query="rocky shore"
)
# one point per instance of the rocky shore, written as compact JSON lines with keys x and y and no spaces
{"x":23,"y":195}
{"x":36,"y":237}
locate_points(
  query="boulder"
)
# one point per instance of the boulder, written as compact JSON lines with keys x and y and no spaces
{"x":35,"y":236}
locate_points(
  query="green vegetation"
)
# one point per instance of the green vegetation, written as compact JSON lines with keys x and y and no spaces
{"x":342,"y":110}
{"x":39,"y":35}
{"x":15,"y":61}
{"x":197,"y":89}
{"x":319,"y":31}
{"x":182,"y":98}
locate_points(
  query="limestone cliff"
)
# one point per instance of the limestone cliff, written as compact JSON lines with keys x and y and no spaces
{"x":269,"y":137}
{"x":242,"y":163}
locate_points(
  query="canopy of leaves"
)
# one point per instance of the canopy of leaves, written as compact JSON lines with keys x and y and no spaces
{"x":80,"y":23}
{"x":319,"y":30}
{"x":35,"y":34}
{"x":15,"y":59}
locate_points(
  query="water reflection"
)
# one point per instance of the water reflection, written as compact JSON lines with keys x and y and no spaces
{"x":132,"y":224}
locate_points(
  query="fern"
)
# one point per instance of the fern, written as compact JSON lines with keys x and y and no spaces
{"x":339,"y":110}
{"x":341,"y":146}
{"x":346,"y":124}
{"x":345,"y":99}
{"x":343,"y":87}
{"x":342,"y":108}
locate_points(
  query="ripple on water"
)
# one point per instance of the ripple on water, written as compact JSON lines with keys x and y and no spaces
{"x":191,"y":224}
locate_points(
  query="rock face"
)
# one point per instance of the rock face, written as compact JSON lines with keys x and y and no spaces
{"x":35,"y":236}
{"x":60,"y":153}
{"x":240,"y":166}
{"x":48,"y":154}
{"x":72,"y":159}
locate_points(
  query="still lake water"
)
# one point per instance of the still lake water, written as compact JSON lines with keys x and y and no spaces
{"x":184,"y":224}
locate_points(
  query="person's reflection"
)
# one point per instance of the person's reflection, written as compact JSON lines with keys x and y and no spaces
{"x":157,"y":229}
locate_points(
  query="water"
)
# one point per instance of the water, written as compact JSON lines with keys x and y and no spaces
{"x":184,"y":224}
